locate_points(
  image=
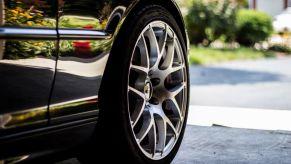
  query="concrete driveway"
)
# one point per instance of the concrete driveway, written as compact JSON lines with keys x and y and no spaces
{"x":218,"y":145}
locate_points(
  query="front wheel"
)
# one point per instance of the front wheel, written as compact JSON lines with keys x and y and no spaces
{"x":157,"y":90}
{"x":145,"y":91}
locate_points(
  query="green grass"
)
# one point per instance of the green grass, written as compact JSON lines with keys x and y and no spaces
{"x":212,"y":55}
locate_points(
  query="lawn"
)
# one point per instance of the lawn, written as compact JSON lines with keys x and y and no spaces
{"x":214,"y":55}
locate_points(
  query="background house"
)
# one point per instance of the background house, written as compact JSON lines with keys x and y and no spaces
{"x":272,"y":7}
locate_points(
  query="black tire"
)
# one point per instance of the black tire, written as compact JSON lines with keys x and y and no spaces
{"x":114,"y":139}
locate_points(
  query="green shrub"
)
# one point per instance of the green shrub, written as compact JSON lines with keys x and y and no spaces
{"x":210,"y":20}
{"x":252,"y":27}
{"x":280,"y":48}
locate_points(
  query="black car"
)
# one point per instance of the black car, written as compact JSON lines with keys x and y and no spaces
{"x":100,"y":80}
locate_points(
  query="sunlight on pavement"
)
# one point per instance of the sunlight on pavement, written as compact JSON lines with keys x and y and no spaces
{"x":249,"y":118}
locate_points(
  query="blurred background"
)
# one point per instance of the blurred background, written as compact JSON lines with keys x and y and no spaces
{"x":240,"y":52}
{"x":240,"y":69}
{"x":253,"y":28}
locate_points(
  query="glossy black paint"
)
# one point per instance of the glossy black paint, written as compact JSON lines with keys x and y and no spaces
{"x":28,"y":40}
{"x":55,"y":83}
{"x":81,"y":61}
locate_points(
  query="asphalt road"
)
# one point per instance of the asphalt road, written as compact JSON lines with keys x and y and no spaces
{"x":262,"y":84}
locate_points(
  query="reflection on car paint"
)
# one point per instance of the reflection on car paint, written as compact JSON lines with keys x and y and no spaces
{"x":26,"y":66}
{"x":85,"y":67}
{"x":79,"y":73}
{"x":14,"y":159}
{"x":26,"y":87}
{"x":84,"y":13}
{"x":68,"y":110}
{"x":31,"y":63}
{"x":26,"y":13}
{"x":81,"y":63}
{"x":23,"y":118}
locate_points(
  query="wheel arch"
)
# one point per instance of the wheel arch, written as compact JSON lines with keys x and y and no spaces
{"x":170,"y":5}
{"x":173,"y":8}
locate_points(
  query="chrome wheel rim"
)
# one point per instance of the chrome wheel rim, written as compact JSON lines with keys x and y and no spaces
{"x":157,"y":90}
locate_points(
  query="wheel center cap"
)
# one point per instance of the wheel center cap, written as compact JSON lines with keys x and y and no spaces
{"x":148,"y":90}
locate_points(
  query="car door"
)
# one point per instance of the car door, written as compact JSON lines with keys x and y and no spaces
{"x":28,"y":40}
{"x":85,"y":41}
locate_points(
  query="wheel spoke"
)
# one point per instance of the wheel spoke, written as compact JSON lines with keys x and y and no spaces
{"x":153,"y":139}
{"x":177,"y":68}
{"x":147,"y":125}
{"x":155,"y":55}
{"x":137,"y":113}
{"x":176,"y":90}
{"x":140,"y":68}
{"x":137,"y":92}
{"x":163,"y":39}
{"x":176,"y":109}
{"x":172,"y":127}
{"x":154,"y":43}
{"x":169,"y":54}
{"x":146,"y":56}
{"x":162,"y":133}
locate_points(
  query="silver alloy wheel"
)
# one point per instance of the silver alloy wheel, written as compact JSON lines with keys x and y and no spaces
{"x":157,"y":93}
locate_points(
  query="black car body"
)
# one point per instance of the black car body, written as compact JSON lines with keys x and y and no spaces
{"x":53,"y":55}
